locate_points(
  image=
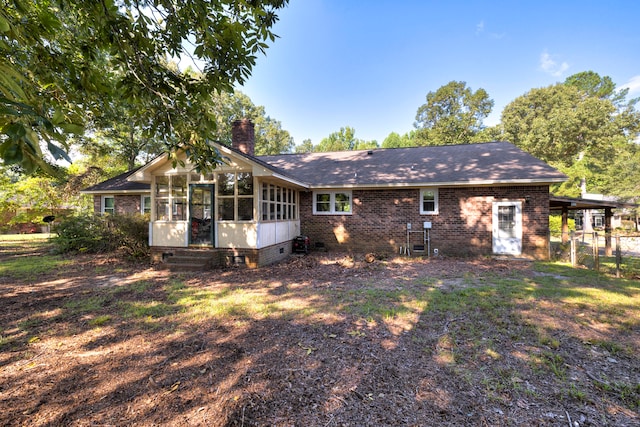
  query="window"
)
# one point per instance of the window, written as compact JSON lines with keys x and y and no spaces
{"x":506,"y":220}
{"x":108,"y":205}
{"x":342,"y":202}
{"x":332,"y":202}
{"x":171,"y":198}
{"x":235,"y":196}
{"x":179,"y":197}
{"x":598,"y":221}
{"x":278,"y":203}
{"x":162,"y":198}
{"x":145,"y":204}
{"x":429,"y":201}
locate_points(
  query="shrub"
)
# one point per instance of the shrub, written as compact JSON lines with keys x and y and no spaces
{"x":555,"y":225}
{"x":98,"y":234}
{"x":132,"y":233}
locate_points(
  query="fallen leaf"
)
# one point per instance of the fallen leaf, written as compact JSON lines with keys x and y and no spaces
{"x":173,"y":388}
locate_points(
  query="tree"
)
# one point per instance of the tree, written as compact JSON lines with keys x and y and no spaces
{"x":305,"y":147}
{"x":592,"y":84}
{"x":25,"y":200}
{"x":270,"y":138}
{"x":119,"y":141}
{"x":491,"y":133}
{"x":394,"y":140}
{"x":344,"y":139}
{"x":123,"y":142}
{"x":452,"y":115}
{"x":623,"y":174}
{"x":64,"y":61}
{"x":361,"y":144}
{"x":572,"y":130}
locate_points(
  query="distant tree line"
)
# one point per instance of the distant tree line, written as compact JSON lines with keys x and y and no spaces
{"x":584,"y":126}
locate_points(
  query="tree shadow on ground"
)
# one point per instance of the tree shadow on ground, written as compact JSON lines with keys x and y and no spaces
{"x":313,"y":341}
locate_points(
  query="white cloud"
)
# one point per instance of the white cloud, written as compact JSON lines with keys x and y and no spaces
{"x":633,"y":85}
{"x":481,"y":30}
{"x":549,"y":65}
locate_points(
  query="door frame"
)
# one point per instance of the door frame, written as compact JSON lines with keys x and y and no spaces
{"x":507,"y":245}
{"x":211,"y":188}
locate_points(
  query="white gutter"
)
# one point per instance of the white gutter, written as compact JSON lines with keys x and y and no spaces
{"x":479,"y":183}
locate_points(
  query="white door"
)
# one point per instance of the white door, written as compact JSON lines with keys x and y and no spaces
{"x":507,"y":228}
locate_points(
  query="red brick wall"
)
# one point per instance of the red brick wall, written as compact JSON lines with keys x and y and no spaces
{"x":253,"y":258}
{"x":243,"y":136}
{"x":124,"y":204}
{"x":127,"y":204}
{"x":461,"y":228}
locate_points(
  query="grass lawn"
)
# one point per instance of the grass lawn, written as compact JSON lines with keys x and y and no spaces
{"x":319,"y":340}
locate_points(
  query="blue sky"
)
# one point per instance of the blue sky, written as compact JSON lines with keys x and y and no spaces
{"x":370,"y":64}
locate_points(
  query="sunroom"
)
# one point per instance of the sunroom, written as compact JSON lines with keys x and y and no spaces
{"x":244,"y":212}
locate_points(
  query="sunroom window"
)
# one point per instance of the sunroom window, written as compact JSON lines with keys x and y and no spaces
{"x":278,"y":203}
{"x":171,"y":198}
{"x":235,"y":196}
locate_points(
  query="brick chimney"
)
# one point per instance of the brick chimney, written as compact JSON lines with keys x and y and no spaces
{"x":243,"y":136}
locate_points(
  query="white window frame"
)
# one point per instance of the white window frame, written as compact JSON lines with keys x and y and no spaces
{"x":332,"y":202}
{"x":175,"y":202}
{"x":278,"y":203}
{"x":436,"y":208}
{"x":142,"y":197}
{"x":103,"y":205}
{"x":236,"y":197}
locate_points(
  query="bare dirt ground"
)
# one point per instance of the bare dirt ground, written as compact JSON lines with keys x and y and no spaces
{"x":74,"y":350}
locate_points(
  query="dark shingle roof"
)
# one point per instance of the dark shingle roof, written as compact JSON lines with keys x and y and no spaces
{"x":119,"y":184}
{"x":488,"y":163}
{"x":492,"y":162}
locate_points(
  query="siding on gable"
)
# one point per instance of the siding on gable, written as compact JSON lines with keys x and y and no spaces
{"x":461,"y":228}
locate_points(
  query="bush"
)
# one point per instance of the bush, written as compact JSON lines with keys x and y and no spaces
{"x":628,"y":226}
{"x":132,"y":233}
{"x":98,"y":234}
{"x":555,"y":225}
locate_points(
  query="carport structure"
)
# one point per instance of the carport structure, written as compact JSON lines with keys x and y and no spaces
{"x":565,"y":204}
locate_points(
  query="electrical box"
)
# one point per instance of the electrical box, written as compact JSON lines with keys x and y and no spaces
{"x":427,"y":224}
{"x":408,"y":226}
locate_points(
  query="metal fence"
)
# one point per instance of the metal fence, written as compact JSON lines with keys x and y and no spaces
{"x":620,"y":257}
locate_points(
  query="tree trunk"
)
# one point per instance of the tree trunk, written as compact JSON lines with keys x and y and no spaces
{"x":587,"y":226}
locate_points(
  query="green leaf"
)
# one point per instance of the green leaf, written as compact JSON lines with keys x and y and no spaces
{"x":11,"y":152}
{"x":58,"y":153}
{"x":72,"y":128}
{"x":57,"y":118}
{"x":4,"y":25}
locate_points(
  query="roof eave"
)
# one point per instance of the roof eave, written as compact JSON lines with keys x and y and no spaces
{"x":290,"y":180}
{"x":468,"y":183}
{"x":115,"y":191}
{"x":141,"y":175}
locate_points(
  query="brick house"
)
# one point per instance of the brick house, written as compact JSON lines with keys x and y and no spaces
{"x":456,"y":200}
